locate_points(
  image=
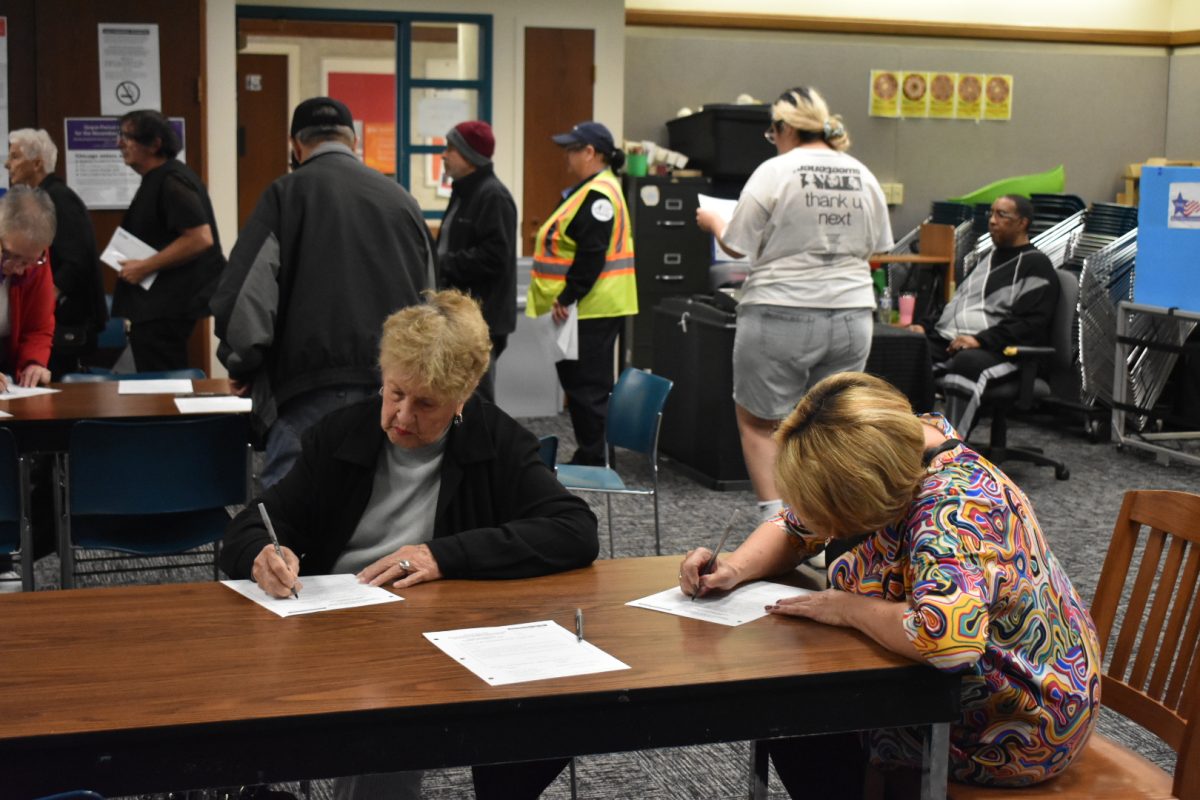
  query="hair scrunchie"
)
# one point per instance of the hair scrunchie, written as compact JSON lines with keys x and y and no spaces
{"x":834,"y":130}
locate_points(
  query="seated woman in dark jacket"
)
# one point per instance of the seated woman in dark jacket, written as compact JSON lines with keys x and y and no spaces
{"x":425,"y":482}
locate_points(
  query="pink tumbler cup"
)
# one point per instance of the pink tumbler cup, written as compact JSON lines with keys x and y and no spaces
{"x":907,"y":302}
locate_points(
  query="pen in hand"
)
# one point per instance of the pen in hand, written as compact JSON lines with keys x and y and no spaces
{"x":262,"y":510}
{"x":579,"y":624}
{"x":712,"y":561}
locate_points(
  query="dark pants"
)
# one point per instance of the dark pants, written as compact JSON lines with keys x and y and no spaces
{"x":966,"y":375}
{"x":830,"y":766}
{"x":487,"y":384}
{"x":160,"y":344}
{"x":588,"y":382}
{"x":511,"y":781}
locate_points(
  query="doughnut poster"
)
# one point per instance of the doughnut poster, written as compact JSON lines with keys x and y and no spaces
{"x":941,"y":95}
{"x":885,"y":93}
{"x":997,"y":94}
{"x":914,"y":94}
{"x":968,"y":96}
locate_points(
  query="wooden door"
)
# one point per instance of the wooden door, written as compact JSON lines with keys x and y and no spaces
{"x":262,"y":132}
{"x":559,"y":78}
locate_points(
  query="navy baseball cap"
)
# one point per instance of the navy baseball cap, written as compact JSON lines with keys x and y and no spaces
{"x":320,"y":112}
{"x":593,"y":133}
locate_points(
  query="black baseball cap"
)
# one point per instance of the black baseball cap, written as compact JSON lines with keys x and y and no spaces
{"x":593,"y":133}
{"x":320,"y":112}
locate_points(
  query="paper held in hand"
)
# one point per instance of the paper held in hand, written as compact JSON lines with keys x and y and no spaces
{"x":124,"y":246}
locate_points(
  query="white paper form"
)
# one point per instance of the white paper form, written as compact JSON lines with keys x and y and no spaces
{"x":164,"y":386}
{"x":213,"y":405}
{"x":531,"y":651}
{"x":124,"y":246}
{"x":743,"y":604}
{"x":564,"y":338}
{"x":14,"y":392}
{"x":319,"y":593}
{"x":724,"y":209}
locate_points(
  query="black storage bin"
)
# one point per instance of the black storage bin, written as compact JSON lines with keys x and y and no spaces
{"x":693,"y":346}
{"x":725,"y":141}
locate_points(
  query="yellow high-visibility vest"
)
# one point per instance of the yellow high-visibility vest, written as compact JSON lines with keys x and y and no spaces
{"x":615,"y":292}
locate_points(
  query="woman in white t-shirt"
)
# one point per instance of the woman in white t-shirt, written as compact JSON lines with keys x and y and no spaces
{"x":808,"y":218}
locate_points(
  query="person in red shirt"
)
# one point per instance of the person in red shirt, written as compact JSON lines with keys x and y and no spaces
{"x":27,"y":225}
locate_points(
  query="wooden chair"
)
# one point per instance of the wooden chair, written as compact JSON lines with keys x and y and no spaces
{"x":1153,"y":672}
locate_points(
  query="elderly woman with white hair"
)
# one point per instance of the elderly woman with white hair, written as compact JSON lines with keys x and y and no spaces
{"x":807,"y":218}
{"x":79,"y":311}
{"x":27,"y":298}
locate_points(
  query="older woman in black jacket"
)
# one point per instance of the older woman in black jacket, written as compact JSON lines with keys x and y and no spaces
{"x":425,"y":482}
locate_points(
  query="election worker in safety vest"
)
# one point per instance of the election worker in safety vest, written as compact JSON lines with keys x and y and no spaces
{"x":583,"y":257}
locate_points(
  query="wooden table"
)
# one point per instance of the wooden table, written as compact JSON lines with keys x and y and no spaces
{"x":43,"y":423}
{"x":139,"y":689}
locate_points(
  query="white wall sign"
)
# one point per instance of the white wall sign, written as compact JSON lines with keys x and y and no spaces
{"x":95,"y":169}
{"x":129,"y":68}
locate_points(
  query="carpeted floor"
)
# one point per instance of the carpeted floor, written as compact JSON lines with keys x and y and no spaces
{"x":1077,"y":516}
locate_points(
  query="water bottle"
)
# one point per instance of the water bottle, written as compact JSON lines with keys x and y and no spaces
{"x":885,"y":307}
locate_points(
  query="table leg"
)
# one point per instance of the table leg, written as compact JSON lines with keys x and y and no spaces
{"x":935,"y":761}
{"x":759,"y":771}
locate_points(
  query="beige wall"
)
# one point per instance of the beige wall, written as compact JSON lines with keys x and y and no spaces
{"x":1092,"y":108}
{"x":1156,"y":15}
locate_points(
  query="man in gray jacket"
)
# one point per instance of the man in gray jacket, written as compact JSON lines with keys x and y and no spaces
{"x":330,"y":251}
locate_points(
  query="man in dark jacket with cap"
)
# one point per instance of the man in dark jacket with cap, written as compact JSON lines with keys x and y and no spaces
{"x":330,"y":251}
{"x":476,"y":247}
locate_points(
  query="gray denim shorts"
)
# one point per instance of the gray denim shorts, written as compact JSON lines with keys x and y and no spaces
{"x":780,"y":351}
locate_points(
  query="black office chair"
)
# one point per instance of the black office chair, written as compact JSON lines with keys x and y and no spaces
{"x":1035,"y":365}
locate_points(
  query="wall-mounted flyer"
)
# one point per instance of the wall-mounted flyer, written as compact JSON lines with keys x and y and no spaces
{"x":129,"y":68}
{"x":95,"y":169}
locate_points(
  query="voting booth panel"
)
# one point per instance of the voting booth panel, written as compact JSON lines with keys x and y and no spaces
{"x":1168,"y":267}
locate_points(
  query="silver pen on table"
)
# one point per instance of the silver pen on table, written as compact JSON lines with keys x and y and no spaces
{"x":712,"y":562}
{"x":262,"y":510}
{"x":579,"y":624}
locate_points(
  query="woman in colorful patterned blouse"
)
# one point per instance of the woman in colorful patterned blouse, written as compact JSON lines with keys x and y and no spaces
{"x":956,"y":574}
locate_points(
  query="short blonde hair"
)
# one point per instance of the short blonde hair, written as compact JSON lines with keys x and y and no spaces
{"x":804,"y":109}
{"x":850,"y":455}
{"x":443,"y":344}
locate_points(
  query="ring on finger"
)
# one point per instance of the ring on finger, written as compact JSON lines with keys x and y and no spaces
{"x":404,"y":564}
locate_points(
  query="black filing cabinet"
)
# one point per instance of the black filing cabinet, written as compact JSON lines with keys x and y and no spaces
{"x":672,"y":254}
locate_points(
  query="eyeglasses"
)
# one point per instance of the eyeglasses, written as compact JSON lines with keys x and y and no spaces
{"x":1004,"y":215}
{"x":12,"y":262}
{"x":770,"y":133}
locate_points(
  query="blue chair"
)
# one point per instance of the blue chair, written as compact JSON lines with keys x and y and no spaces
{"x":112,"y":335}
{"x":16,"y":537}
{"x":191,"y":373}
{"x":548,"y":450}
{"x":634,"y":418}
{"x":149,"y":489}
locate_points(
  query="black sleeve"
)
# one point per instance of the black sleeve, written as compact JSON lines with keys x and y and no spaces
{"x":489,"y":246}
{"x":291,"y":504}
{"x":182,"y":207}
{"x":549,"y":529}
{"x":591,"y":236}
{"x":73,"y":252}
{"x":1033,"y":311}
